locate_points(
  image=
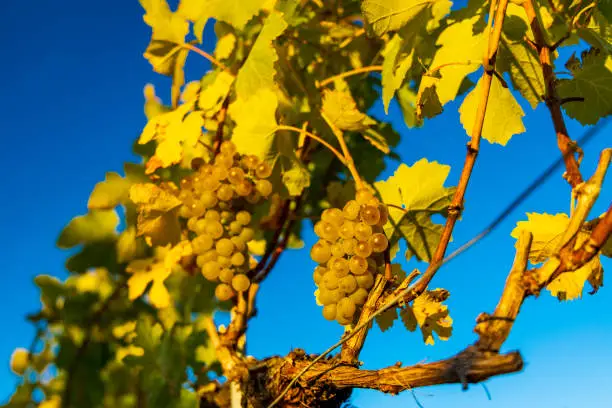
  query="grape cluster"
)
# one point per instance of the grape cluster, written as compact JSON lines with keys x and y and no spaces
{"x":349,"y":253}
{"x":216,"y":202}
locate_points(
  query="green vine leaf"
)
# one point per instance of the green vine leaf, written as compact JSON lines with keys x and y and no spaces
{"x":383,"y":16}
{"x":97,"y":225}
{"x":396,"y":64}
{"x":386,"y":319}
{"x":503,"y":118}
{"x":523,"y":65}
{"x":413,"y":194}
{"x":157,"y":214}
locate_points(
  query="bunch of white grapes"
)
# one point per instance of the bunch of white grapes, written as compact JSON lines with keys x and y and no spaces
{"x":216,"y":202}
{"x":350,"y":254}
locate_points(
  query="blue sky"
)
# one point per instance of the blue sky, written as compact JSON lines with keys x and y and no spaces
{"x":71,"y":105}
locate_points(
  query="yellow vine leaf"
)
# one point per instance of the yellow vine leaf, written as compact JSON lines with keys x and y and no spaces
{"x":383,"y":16}
{"x":110,"y":192}
{"x":225,"y":46}
{"x":214,"y":90}
{"x":547,"y":232}
{"x":428,"y":313}
{"x":97,"y":225}
{"x":155,"y":271}
{"x":523,"y":64}
{"x":396,"y":64}
{"x":157,"y":214}
{"x":341,"y":109}
{"x":129,"y":350}
{"x":503,"y":118}
{"x":460,"y":53}
{"x":419,"y":193}
{"x":385,"y":319}
{"x":190,"y":92}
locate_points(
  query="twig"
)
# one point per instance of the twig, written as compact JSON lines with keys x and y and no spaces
{"x":348,"y":158}
{"x":356,"y":71}
{"x":314,"y":137}
{"x":204,"y":54}
{"x":566,"y":145}
{"x":220,"y":123}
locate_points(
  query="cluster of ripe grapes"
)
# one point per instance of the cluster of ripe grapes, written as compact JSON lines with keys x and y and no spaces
{"x":216,"y":202}
{"x":350,"y":254}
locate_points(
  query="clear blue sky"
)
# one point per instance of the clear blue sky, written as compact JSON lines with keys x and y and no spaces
{"x":71,"y":105}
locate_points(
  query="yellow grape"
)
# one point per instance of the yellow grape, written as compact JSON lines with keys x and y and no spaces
{"x":244,"y":188}
{"x":379,"y":242}
{"x":250,"y":162}
{"x":363,"y":196}
{"x":363,"y":231}
{"x":226,"y":275}
{"x":220,"y":173}
{"x":363,"y":249}
{"x":191,"y":223}
{"x":224,"y":292}
{"x":214,"y":229}
{"x":211,"y":270}
{"x":347,"y":230}
{"x":197,"y":208}
{"x":208,"y":198}
{"x":247,"y":234}
{"x":241,"y":282}
{"x":213,"y":215}
{"x":238,"y":259}
{"x":330,"y":232}
{"x":235,"y":228}
{"x":384,"y":214}
{"x":358,"y":265}
{"x":340,"y":267}
{"x":320,"y":252}
{"x":333,"y":216}
{"x":202,"y":243}
{"x":224,"y":247}
{"x":264,"y":187}
{"x":225,"y":192}
{"x":210,"y":183}
{"x":210,"y":255}
{"x":227,"y":148}
{"x":347,"y":284}
{"x":370,"y":214}
{"x":20,"y":359}
{"x":318,"y":274}
{"x":329,"y":312}
{"x":365,"y":281}
{"x":239,"y":243}
{"x":349,"y":246}
{"x":346,"y":308}
{"x":359,"y":297}
{"x":337,"y":250}
{"x":329,"y":281}
{"x":243,"y":217}
{"x":326,"y":296}
{"x":351,"y":210}
{"x":224,"y":160}
{"x":235,"y":175}
{"x":263,"y":170}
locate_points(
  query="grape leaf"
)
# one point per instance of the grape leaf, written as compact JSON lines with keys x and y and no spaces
{"x":598,"y":32}
{"x":523,"y":65}
{"x":428,"y":103}
{"x":547,"y":232}
{"x":110,"y":192}
{"x":503,"y":117}
{"x":460,"y":53}
{"x":413,"y":195}
{"x":406,"y":98}
{"x":383,"y":16}
{"x":157,"y":214}
{"x":428,"y":313}
{"x":128,"y":246}
{"x":213,"y":90}
{"x":165,"y":24}
{"x":385,"y":319}
{"x":255,"y":118}
{"x":592,"y":81}
{"x":296,"y":178}
{"x":258,"y":71}
{"x":97,"y":225}
{"x":396,"y":64}
{"x":234,"y":12}
{"x":341,"y":109}
{"x":225,"y":46}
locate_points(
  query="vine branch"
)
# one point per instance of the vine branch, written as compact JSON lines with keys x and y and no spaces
{"x":356,"y":71}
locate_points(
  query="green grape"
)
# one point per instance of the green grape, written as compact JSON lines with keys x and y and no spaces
{"x":253,"y":198}
{"x":208,"y":198}
{"x":202,"y":243}
{"x":329,"y":281}
{"x":340,"y":267}
{"x":226,"y":275}
{"x":349,"y":246}
{"x":363,"y":231}
{"x":235,"y":175}
{"x":363,"y":249}
{"x":379,"y":242}
{"x":235,"y":228}
{"x":213,"y":215}
{"x":191,"y":223}
{"x":264,"y":187}
{"x":238,"y":259}
{"x":247,"y":234}
{"x":243,"y":217}
{"x":347,"y":284}
{"x":225,"y":192}
{"x":228,"y":148}
{"x":244,"y":188}
{"x":224,"y":292}
{"x":211,"y":270}
{"x":351,"y":210}
{"x":359,"y":297}
{"x":214,"y":229}
{"x":363,"y":196}
{"x":224,"y":261}
{"x":263,"y":170}
{"x":318,"y":274}
{"x":241,"y":282}
{"x":347,"y":230}
{"x":329,"y":312}
{"x":365,"y":281}
{"x":346,"y":308}
{"x":337,"y":250}
{"x":224,"y":247}
{"x":358,"y":265}
{"x":370,"y":214}
{"x":239,"y":243}
{"x":320,"y":252}
{"x":219,"y":172}
{"x":333,"y":216}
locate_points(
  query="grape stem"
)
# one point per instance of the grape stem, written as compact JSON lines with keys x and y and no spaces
{"x":356,"y":71}
{"x":206,"y":55}
{"x":348,"y":158}
{"x":314,"y":137}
